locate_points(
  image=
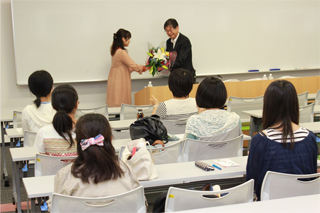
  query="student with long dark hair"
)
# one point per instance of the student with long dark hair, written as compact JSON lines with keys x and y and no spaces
{"x":283,"y":146}
{"x":96,"y":172}
{"x":57,"y":139}
{"x":40,"y":113}
{"x":119,"y":80}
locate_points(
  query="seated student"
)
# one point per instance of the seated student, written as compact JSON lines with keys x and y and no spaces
{"x":180,"y":106}
{"x":40,"y":113}
{"x":57,"y":139}
{"x":212,"y":120}
{"x":96,"y":172}
{"x":283,"y":146}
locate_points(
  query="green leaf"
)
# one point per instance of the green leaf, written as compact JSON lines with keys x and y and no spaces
{"x":164,"y":67}
{"x":149,"y":54}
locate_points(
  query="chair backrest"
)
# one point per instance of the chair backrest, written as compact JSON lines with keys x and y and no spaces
{"x":29,"y":138}
{"x":161,"y":155}
{"x":203,"y":150}
{"x":169,"y":154}
{"x":131,"y":201}
{"x":130,"y":111}
{"x":306,"y":113}
{"x":185,"y":199}
{"x":103,"y":110}
{"x":17,"y":122}
{"x":50,"y":165}
{"x":317,"y":98}
{"x":303,"y":99}
{"x":279,"y":185}
{"x":238,"y":105}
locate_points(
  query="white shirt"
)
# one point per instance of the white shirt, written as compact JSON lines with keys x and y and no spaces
{"x":50,"y":142}
{"x":175,"y":40}
{"x":34,"y":118}
{"x":181,"y":107}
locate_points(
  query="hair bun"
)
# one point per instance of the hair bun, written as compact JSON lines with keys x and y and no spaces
{"x":115,"y":36}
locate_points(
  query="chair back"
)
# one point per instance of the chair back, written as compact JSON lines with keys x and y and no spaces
{"x":29,"y":138}
{"x":130,"y":111}
{"x":103,"y":110}
{"x":317,"y":98}
{"x":203,"y":150}
{"x":50,"y":165}
{"x":238,"y":105}
{"x":279,"y":185}
{"x":171,"y":153}
{"x":306,"y":113}
{"x":185,"y":199}
{"x":131,"y":201}
{"x":303,"y":99}
{"x":17,"y":122}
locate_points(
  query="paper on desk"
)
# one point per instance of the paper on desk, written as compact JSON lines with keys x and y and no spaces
{"x":226,"y":162}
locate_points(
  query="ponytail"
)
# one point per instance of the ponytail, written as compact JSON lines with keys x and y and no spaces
{"x":63,"y":124}
{"x":37,"y":102}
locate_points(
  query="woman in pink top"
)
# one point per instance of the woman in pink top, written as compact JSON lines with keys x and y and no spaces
{"x":119,"y":80}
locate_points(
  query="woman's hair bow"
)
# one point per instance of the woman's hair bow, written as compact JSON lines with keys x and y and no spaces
{"x":98,"y":140}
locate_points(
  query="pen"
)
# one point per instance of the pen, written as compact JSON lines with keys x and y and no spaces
{"x":216,"y":166}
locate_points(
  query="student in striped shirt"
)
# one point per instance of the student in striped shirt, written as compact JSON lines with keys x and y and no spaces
{"x":283,"y":146}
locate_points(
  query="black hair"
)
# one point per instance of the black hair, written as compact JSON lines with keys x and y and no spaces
{"x":98,"y":163}
{"x":180,"y":82}
{"x":117,"y":40}
{"x":171,"y":22}
{"x":211,"y":93}
{"x":64,"y":99}
{"x":40,"y":84}
{"x":281,"y":107}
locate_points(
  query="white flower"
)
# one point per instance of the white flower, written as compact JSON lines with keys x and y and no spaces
{"x":159,"y":55}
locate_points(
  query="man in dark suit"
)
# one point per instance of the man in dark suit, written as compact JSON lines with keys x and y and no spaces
{"x":181,"y":44}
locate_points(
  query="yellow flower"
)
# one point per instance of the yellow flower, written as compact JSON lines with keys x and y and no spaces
{"x":167,"y":53}
{"x":162,"y":49}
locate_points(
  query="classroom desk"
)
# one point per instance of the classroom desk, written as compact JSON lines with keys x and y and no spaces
{"x":121,"y":124}
{"x":18,"y":155}
{"x":114,"y":110}
{"x":168,"y":174}
{"x":4,"y":123}
{"x":256,"y":121}
{"x":305,"y":203}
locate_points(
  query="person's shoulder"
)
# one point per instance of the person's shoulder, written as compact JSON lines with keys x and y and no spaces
{"x":29,"y":107}
{"x":183,"y":37}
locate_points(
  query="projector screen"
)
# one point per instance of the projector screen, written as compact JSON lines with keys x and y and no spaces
{"x":71,"y":38}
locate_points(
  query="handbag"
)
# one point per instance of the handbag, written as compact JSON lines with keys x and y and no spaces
{"x":149,"y":128}
{"x":141,"y":162}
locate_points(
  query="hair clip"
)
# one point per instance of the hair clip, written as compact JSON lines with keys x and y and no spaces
{"x":98,"y":140}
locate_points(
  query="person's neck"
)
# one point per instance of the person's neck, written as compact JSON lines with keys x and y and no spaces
{"x":45,"y":99}
{"x":182,"y":98}
{"x":294,"y":126}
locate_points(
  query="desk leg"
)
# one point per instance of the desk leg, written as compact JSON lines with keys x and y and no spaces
{"x":5,"y":172}
{"x":255,"y":124}
{"x":33,"y":205}
{"x":16,"y":184}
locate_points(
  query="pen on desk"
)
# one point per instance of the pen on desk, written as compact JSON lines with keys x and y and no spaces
{"x":216,"y":166}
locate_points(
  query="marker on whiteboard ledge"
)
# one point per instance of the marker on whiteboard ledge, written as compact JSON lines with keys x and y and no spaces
{"x":253,"y":70}
{"x":274,"y":69}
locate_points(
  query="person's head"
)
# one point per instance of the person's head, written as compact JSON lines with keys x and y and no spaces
{"x":281,"y":107}
{"x":211,"y":93}
{"x":180,"y":83}
{"x":96,"y":155}
{"x":171,"y":27}
{"x":64,"y":100}
{"x":121,"y":39}
{"x":40,"y":83}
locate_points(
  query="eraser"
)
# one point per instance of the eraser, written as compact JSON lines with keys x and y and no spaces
{"x":253,"y":70}
{"x":274,"y":69}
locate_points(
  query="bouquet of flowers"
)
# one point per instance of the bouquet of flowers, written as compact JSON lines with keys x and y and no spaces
{"x":158,"y":59}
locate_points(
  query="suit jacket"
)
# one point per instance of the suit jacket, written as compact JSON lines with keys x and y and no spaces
{"x":184,"y":53}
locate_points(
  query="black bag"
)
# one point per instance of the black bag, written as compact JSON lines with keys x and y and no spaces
{"x":149,"y":128}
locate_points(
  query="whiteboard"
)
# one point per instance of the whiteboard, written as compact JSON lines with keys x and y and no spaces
{"x":71,"y":38}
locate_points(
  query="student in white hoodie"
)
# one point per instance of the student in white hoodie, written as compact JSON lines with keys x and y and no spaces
{"x":40,"y":113}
